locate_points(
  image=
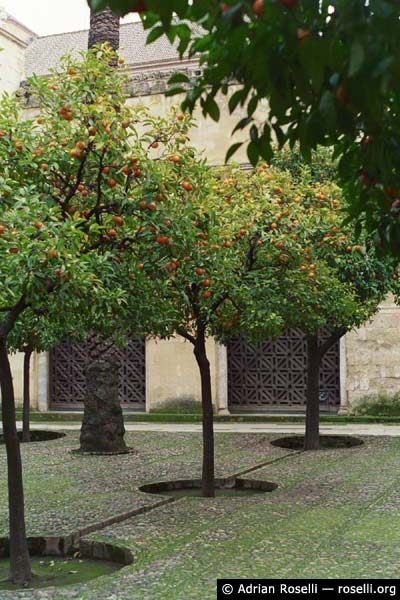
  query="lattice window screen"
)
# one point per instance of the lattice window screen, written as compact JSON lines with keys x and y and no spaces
{"x":273,"y":373}
{"x":67,"y":373}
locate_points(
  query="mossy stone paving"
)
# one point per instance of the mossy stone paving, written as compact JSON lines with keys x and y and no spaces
{"x":67,"y":492}
{"x":36,"y":435}
{"x":336,"y":513}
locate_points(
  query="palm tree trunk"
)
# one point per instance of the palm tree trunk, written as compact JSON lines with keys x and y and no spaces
{"x":208,"y":476}
{"x":103,"y":422}
{"x":20,"y":564}
{"x":104,"y":28}
{"x":26,"y":434}
{"x":102,"y":428}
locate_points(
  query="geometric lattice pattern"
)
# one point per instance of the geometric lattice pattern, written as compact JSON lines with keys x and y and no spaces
{"x":273,"y":374}
{"x":67,"y":373}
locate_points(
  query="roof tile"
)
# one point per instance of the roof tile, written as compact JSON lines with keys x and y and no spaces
{"x":44,"y":53}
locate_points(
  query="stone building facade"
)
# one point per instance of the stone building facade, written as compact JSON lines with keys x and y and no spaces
{"x":15,"y":38}
{"x":14,"y":41}
{"x":365,"y":361}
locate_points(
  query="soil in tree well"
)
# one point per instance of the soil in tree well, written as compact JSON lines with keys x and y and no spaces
{"x":59,"y":572}
{"x":38,"y":436}
{"x":219,"y":493}
{"x":226,"y":488}
{"x":296,"y":442}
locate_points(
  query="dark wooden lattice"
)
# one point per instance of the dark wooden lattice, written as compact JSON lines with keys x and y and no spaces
{"x":273,"y":374}
{"x":67,"y":373}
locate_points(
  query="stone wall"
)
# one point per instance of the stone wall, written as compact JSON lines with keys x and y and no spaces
{"x":209,"y":137}
{"x":17,"y":366}
{"x":14,"y":39}
{"x":373,"y":355}
{"x":172,"y":373}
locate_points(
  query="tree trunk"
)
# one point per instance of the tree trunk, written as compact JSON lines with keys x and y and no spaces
{"x":20,"y":564}
{"x":104,"y":27}
{"x":311,"y":438}
{"x":26,"y":434}
{"x":103,"y":423}
{"x":208,"y":476}
{"x":103,"y":428}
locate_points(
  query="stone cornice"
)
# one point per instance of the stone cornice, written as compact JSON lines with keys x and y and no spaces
{"x":140,"y":84}
{"x":156,"y":82}
{"x":17,"y":40}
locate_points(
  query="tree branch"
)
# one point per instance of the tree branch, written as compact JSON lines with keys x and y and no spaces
{"x":218,"y":303}
{"x":12,"y":317}
{"x":96,"y":210}
{"x":182,"y":332}
{"x":335,"y":337}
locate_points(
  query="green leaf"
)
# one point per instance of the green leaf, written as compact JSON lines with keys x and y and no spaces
{"x":154,"y":34}
{"x":183,"y":44}
{"x":252,"y":105}
{"x":254,"y":133}
{"x":381,"y":8}
{"x":313,"y":59}
{"x":174,"y":91}
{"x":201,"y":44}
{"x":149,"y":20}
{"x":178,"y":78}
{"x":232,"y":150}
{"x":327,"y":107}
{"x":253,"y":153}
{"x":211,"y":108}
{"x":383,"y":66}
{"x":97,"y":5}
{"x":242,"y":124}
{"x":235,"y":99}
{"x":357,"y":56}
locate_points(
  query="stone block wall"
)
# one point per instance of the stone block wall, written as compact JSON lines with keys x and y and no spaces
{"x":17,"y":366}
{"x":373,"y":356}
{"x":210,"y":138}
{"x":14,"y":38}
{"x":172,"y":373}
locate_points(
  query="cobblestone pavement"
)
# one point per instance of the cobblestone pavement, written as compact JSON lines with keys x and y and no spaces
{"x":336,"y":513}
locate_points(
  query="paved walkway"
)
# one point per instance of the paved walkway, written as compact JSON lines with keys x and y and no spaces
{"x":351,"y":429}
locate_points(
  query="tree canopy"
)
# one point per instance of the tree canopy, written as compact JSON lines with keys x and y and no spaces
{"x":232,"y":251}
{"x":65,"y":178}
{"x":328,"y":70}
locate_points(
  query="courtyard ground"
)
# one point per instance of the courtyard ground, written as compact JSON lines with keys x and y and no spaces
{"x":336,"y":513}
{"x":363,"y":429}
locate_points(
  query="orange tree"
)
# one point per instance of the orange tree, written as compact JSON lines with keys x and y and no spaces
{"x":196,"y":254}
{"x":34,"y":333}
{"x":340,"y":280}
{"x":22,"y":341}
{"x":202,"y":264}
{"x":29,"y":273}
{"x":329,"y":71}
{"x":222,"y":256}
{"x":40,"y":330}
{"x":65,"y":178}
